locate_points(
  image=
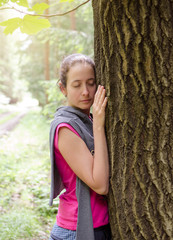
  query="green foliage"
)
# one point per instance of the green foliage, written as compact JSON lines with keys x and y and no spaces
{"x":11,"y":25}
{"x":62,"y":41}
{"x":11,"y":85}
{"x":55,"y":98}
{"x":33,"y":24}
{"x":22,"y":57}
{"x":27,"y":24}
{"x":25,"y":181}
{"x":39,"y":7}
{"x":3,"y":2}
{"x":23,"y":3}
{"x":19,"y":223}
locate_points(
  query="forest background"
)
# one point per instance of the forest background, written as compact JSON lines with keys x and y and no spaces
{"x":29,"y":66}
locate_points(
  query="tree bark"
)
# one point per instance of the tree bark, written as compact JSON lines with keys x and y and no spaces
{"x":134,"y":61}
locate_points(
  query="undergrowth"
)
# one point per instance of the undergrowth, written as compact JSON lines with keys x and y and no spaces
{"x":25,"y":181}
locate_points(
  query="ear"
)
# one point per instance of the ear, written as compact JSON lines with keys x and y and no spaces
{"x":62,"y":89}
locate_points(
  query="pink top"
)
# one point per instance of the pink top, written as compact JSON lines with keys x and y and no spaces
{"x":68,"y":205}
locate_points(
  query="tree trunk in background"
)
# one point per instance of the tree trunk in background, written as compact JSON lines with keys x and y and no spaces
{"x":134,"y":61}
{"x":46,"y":57}
{"x":72,"y":21}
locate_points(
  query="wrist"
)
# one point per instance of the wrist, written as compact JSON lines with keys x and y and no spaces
{"x":98,"y":128}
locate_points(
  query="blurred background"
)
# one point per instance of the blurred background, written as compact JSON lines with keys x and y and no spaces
{"x":29,"y":96}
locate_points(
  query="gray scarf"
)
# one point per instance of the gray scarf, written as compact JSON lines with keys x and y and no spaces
{"x":83,"y":125}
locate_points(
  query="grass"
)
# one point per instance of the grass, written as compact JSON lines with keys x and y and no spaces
{"x":21,"y":224}
{"x":25,"y":181}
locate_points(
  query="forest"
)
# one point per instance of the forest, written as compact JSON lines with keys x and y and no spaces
{"x":29,"y":96}
{"x":131,"y":43}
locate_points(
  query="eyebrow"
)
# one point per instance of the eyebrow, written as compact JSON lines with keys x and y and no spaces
{"x":77,"y":80}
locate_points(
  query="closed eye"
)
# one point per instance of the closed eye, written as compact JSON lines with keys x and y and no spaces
{"x":91,"y":82}
{"x":76,"y":86}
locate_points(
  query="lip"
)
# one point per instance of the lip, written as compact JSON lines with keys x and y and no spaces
{"x":86,"y":100}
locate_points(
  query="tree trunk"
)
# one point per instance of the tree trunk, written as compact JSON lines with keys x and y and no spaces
{"x":72,"y":21}
{"x":134,"y":61}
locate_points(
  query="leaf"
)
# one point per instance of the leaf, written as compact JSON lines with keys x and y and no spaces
{"x":23,"y":3}
{"x":32,"y":24}
{"x":11,"y":25}
{"x":39,"y":7}
{"x":66,"y":1}
{"x":2,"y":2}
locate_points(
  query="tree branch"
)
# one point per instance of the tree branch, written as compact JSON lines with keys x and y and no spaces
{"x":44,"y":15}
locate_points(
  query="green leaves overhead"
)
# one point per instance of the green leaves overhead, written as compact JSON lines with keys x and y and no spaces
{"x":23,"y":3}
{"x":29,"y":24}
{"x":11,"y":25}
{"x":32,"y":25}
{"x":39,"y":8}
{"x":2,"y":2}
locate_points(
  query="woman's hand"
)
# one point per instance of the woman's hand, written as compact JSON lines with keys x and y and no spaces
{"x":91,"y":169}
{"x":99,"y":105}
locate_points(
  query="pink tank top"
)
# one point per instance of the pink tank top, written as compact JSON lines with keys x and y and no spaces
{"x":68,"y":205}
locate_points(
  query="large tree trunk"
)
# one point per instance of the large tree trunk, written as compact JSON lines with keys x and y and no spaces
{"x":134,"y":60}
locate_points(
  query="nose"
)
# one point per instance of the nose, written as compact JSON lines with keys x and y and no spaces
{"x":85,"y":91}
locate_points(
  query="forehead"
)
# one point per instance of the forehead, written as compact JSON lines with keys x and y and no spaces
{"x":81,"y":70}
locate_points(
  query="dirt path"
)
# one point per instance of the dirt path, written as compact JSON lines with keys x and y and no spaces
{"x":4,"y":114}
{"x":10,"y":124}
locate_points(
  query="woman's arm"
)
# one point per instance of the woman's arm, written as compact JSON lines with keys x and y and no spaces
{"x":93,"y":170}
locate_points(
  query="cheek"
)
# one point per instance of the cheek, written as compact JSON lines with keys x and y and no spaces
{"x":94,"y":90}
{"x":73,"y":93}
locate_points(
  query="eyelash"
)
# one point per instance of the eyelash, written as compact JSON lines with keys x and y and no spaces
{"x":90,"y":84}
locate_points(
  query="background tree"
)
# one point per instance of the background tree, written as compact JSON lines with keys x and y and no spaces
{"x":40,"y":54}
{"x":134,"y":60}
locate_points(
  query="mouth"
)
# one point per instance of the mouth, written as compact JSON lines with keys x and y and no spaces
{"x":86,"y":100}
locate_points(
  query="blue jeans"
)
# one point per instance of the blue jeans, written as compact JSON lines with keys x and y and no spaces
{"x":58,"y":233}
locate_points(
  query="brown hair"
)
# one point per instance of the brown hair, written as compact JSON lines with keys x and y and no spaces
{"x":70,"y":61}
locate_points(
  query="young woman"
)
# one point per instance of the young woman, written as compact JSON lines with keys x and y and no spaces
{"x":79,"y":156}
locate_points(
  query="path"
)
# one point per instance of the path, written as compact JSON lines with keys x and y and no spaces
{"x":10,"y":124}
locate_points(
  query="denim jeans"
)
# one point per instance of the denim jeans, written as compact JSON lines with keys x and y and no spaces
{"x":58,"y":233}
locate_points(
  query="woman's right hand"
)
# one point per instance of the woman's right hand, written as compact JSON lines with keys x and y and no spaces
{"x":99,"y":106}
{"x":91,"y":169}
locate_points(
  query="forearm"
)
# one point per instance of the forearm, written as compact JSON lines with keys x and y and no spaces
{"x":100,"y":161}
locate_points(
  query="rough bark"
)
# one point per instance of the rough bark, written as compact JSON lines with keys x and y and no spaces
{"x":134,"y":60}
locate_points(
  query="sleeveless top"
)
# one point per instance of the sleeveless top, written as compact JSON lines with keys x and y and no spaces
{"x":68,"y":205}
{"x":84,"y":127}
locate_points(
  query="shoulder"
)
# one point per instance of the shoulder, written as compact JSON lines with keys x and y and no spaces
{"x":66,"y":127}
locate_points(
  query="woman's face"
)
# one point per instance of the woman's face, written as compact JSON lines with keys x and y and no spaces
{"x":81,"y":87}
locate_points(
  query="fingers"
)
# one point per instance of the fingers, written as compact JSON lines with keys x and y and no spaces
{"x":100,"y":100}
{"x":105,"y":102}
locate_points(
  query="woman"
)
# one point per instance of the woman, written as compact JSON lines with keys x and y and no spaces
{"x":79,"y":154}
